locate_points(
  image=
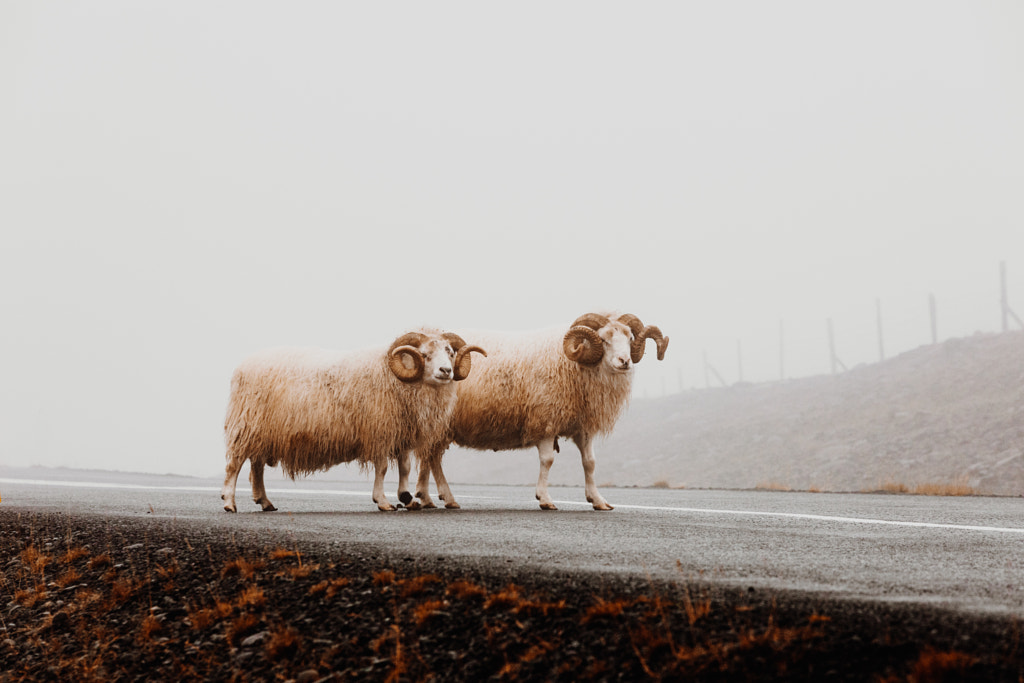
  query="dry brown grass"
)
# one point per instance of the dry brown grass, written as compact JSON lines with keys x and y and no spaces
{"x":329,"y":587}
{"x":204,"y":617}
{"x":251,"y":597}
{"x":73,"y":554}
{"x":283,"y":643}
{"x":958,"y":487}
{"x":242,"y":567}
{"x":384,"y":577}
{"x":241,"y":626}
{"x":35,"y":560}
{"x":149,"y":627}
{"x":772,"y":486}
{"x":70,"y":576}
{"x":283,"y":554}
{"x":508,"y":597}
{"x":933,"y":665}
{"x":425,"y":611}
{"x":416,"y":585}
{"x":605,"y":609}
{"x":461,"y":589}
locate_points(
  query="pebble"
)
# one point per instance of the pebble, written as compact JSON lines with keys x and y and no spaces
{"x":254,"y":639}
{"x":308,"y":676}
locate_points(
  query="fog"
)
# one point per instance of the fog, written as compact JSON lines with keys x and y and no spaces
{"x":183,"y":183}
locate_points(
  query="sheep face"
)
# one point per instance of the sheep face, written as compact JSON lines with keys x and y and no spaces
{"x":616,"y":340}
{"x":595,"y":339}
{"x":433,"y":358}
{"x":438,"y":359}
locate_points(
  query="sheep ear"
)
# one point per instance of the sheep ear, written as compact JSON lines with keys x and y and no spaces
{"x":463,"y":361}
{"x":582,"y":345}
{"x":399,"y":368}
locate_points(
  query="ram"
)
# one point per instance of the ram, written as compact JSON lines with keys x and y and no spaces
{"x":311,"y":409}
{"x":535,"y":388}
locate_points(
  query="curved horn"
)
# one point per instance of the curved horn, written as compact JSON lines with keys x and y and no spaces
{"x":594,"y":321}
{"x":455,"y":340}
{"x":652,"y":332}
{"x":636,"y":347}
{"x":583,"y":345}
{"x":463,"y":361}
{"x":406,"y":345}
{"x":413,"y":374}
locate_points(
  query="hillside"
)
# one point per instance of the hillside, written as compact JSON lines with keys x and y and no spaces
{"x":938,"y":414}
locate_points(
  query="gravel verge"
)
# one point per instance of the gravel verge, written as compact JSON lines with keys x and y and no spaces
{"x":141,"y":599}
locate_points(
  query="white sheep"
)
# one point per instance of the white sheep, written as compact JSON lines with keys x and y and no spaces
{"x":311,"y":409}
{"x":534,"y":388}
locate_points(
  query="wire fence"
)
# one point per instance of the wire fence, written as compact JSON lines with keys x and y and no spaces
{"x":715,"y":369}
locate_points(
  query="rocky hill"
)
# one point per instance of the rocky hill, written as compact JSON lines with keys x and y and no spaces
{"x":940,"y":414}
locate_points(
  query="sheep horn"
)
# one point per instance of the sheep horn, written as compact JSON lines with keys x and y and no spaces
{"x":455,"y":340}
{"x":652,"y":332}
{"x":463,"y":361}
{"x":583,"y":345}
{"x":594,"y":321}
{"x":406,"y":345}
{"x":636,"y":347}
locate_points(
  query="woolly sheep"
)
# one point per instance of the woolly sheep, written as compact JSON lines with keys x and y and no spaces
{"x":311,"y":409}
{"x":534,"y":388}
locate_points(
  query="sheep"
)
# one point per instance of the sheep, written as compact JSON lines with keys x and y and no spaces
{"x":533,"y":389}
{"x":311,"y":409}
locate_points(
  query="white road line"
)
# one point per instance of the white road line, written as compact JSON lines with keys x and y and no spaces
{"x":820,"y":518}
{"x":657,"y":508}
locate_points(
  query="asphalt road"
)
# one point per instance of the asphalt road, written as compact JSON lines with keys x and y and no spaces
{"x":964,"y":553}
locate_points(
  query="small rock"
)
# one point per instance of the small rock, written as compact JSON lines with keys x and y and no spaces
{"x":134,"y":546}
{"x":308,"y":676}
{"x":254,"y":639}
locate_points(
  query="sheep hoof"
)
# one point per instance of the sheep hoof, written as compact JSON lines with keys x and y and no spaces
{"x":269,"y":507}
{"x":548,"y":506}
{"x":387,"y":507}
{"x":603,"y":506}
{"x":412,"y":505}
{"x":429,"y":506}
{"x":453,"y":506}
{"x":230,"y":508}
{"x":405,"y":497}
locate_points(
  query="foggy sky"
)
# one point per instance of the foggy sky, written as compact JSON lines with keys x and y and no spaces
{"x":183,"y":183}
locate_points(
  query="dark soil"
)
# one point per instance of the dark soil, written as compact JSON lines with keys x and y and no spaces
{"x":95,"y":598}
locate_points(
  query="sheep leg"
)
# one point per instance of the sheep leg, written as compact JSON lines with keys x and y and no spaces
{"x":259,"y":492}
{"x":227,"y":493}
{"x":546,"y":451}
{"x":423,"y":481}
{"x":444,"y":491}
{"x":379,"y":470}
{"x":404,"y":468}
{"x":586,"y":445}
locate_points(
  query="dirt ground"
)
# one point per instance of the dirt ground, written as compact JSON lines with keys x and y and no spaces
{"x":97,"y":598}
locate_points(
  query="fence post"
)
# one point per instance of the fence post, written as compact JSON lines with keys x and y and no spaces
{"x":836,"y":363}
{"x":1002,"y":298}
{"x":1007,"y":311}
